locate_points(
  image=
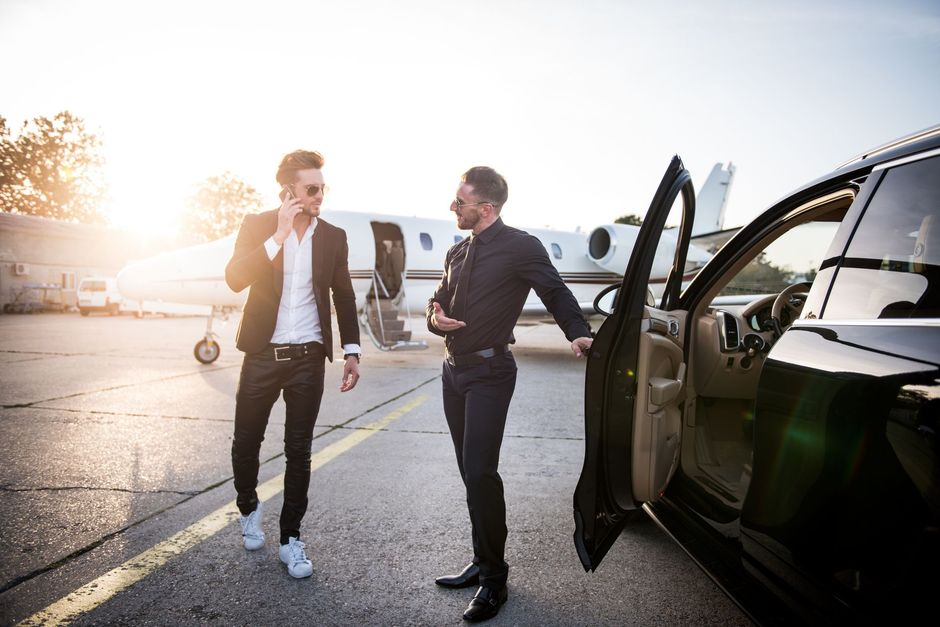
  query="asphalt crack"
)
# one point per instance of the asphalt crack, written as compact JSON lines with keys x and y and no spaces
{"x":96,"y":488}
{"x":102,"y":412}
{"x":113,"y":387}
{"x":188,"y":496}
{"x":447,"y":433}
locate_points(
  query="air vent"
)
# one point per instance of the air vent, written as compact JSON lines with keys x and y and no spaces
{"x":728,"y":328}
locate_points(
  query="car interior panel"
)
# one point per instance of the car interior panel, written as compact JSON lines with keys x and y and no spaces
{"x":723,"y":379}
{"x":658,"y":420}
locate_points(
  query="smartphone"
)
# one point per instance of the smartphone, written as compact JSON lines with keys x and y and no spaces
{"x":286,"y":193}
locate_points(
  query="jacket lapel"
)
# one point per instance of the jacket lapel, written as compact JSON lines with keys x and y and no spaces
{"x":278,"y":261}
{"x":319,"y":252}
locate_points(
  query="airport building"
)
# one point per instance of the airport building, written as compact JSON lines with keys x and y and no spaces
{"x":42,"y":261}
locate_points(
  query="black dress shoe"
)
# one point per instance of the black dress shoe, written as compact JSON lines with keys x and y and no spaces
{"x":470,"y":576}
{"x":485,"y":604}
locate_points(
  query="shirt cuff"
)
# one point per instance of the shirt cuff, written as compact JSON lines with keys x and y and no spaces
{"x":351,"y":348}
{"x":271,"y":247}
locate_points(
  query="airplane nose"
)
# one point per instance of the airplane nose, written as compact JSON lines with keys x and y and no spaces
{"x":131,"y":281}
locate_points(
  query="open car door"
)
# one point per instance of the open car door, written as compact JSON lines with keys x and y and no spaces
{"x":634,"y":385}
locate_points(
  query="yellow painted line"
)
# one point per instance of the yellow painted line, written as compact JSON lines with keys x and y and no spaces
{"x":97,"y":592}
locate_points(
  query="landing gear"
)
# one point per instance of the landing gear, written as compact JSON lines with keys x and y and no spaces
{"x":207,"y":350}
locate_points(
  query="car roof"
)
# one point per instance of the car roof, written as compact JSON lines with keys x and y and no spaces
{"x":919,"y":141}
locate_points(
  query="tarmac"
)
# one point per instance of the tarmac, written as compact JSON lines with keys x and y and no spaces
{"x":118,"y":500}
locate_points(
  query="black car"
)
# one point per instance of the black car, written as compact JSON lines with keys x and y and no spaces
{"x":778,"y":415}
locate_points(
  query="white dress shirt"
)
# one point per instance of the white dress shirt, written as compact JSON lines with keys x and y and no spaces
{"x":298,"y":320}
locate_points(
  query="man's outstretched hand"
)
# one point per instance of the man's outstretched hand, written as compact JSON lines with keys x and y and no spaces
{"x":440,"y":320}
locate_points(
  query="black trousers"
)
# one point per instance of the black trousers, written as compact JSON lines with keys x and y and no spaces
{"x":476,"y":401}
{"x":261,"y":382}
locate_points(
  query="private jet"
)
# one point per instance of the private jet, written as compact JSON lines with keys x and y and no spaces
{"x":396,"y":262}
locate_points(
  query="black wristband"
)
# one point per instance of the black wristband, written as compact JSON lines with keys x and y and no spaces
{"x":358,"y":356}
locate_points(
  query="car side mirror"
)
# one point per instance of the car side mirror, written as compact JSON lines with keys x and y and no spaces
{"x":600,"y":295}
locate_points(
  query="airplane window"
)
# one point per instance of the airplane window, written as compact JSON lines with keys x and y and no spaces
{"x":426,"y":242}
{"x":556,"y":250}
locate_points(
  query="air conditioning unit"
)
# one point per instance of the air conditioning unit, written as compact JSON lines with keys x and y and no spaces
{"x":21,"y":269}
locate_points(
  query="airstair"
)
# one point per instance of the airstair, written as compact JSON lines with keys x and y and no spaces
{"x":382,"y":318}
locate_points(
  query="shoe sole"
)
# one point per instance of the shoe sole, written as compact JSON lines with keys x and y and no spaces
{"x":456,"y":586}
{"x":299,"y":576}
{"x":252,"y":547}
{"x":292,"y":574}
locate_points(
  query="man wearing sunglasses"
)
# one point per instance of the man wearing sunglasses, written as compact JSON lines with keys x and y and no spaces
{"x":487,"y":277}
{"x":290,"y":260}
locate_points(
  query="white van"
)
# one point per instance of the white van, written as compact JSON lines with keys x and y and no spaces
{"x":98,"y":293}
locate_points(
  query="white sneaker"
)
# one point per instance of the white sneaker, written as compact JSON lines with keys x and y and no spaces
{"x":293,"y":555}
{"x":251,"y":529}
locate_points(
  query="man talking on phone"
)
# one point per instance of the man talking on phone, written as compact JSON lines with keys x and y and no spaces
{"x":290,"y":260}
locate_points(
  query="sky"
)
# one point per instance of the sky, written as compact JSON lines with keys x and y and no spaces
{"x":580,"y":104}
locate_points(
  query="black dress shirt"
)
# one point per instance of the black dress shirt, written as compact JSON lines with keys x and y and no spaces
{"x":506,"y":263}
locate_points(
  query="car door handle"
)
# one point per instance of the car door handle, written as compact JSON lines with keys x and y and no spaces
{"x":664,"y":390}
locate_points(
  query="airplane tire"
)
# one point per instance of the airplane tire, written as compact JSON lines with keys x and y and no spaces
{"x":206,"y":351}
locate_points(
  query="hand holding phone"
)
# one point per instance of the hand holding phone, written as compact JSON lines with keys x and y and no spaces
{"x":290,"y":207}
{"x":288,"y":194}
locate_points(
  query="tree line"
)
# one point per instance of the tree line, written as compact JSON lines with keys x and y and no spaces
{"x":54,"y":168}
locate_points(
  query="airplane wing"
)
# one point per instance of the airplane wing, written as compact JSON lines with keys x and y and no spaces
{"x":714,"y":240}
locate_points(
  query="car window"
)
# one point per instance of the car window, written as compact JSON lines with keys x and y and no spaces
{"x":892,"y":266}
{"x":792,"y":258}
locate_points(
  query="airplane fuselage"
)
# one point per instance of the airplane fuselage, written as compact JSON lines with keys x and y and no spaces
{"x":196,"y":274}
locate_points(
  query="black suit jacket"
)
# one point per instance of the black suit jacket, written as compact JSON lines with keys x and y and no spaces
{"x":250,"y":267}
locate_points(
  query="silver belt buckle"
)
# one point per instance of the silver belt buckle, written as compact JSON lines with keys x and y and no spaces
{"x":277,"y":356}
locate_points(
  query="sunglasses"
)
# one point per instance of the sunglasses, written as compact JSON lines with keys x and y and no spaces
{"x":460,"y":204}
{"x":313,"y":190}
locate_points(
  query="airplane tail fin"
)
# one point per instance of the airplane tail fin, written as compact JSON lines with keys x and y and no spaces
{"x":712,"y":199}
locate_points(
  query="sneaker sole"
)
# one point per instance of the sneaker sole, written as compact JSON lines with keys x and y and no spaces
{"x":287,"y":563}
{"x":250,"y":546}
{"x":299,"y":576}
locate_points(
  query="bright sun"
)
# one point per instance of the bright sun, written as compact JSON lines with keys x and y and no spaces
{"x":154,"y":209}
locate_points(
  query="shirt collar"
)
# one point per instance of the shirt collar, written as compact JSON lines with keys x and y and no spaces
{"x":311,"y":228}
{"x":489,"y":233}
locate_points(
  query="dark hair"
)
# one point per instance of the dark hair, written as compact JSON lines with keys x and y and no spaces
{"x":297,"y":160}
{"x":488,"y":185}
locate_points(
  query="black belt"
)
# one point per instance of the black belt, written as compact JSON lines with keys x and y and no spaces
{"x":286,"y":352}
{"x":470,"y":359}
